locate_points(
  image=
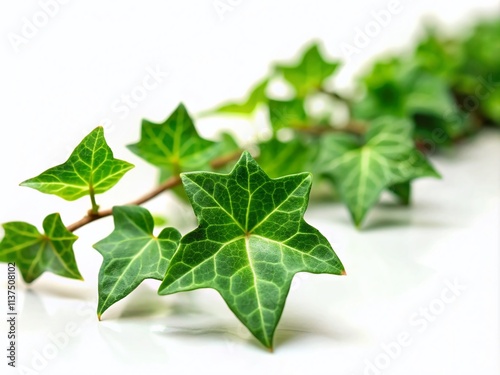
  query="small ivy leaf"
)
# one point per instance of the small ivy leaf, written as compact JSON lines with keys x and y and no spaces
{"x":251,"y":241}
{"x":132,"y":254}
{"x":256,"y":96}
{"x":174,"y":145}
{"x":361,"y":171}
{"x":310,"y":73}
{"x":35,"y":253}
{"x":283,"y":158}
{"x":90,"y":169}
{"x":287,"y":114}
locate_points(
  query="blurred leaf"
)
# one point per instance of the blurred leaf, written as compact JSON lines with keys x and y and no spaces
{"x":396,"y":87}
{"x":438,"y":55}
{"x":310,"y":73}
{"x":283,"y":158}
{"x":362,"y":170}
{"x":402,"y":191}
{"x":256,"y":96}
{"x":287,"y":114}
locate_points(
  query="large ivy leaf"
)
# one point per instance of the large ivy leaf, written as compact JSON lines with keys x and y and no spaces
{"x":91,"y":169}
{"x":35,"y":253}
{"x":175,"y":144}
{"x":256,"y":96}
{"x":362,"y":170}
{"x":310,"y":72}
{"x":250,"y":242}
{"x":132,"y":254}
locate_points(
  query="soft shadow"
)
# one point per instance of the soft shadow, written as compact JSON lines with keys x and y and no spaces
{"x":381,"y":223}
{"x":33,"y":312}
{"x":82,"y":293}
{"x":124,"y":339}
{"x":293,"y":329}
{"x":230,"y":334}
{"x":145,"y":302}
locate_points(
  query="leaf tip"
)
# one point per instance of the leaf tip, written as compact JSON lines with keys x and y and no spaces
{"x":26,"y":183}
{"x":343,"y":273}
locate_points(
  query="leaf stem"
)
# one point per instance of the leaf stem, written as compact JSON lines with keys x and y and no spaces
{"x":96,"y":214}
{"x":95,"y":206}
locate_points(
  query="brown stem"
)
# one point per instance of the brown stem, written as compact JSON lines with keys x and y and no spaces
{"x":167,"y":185}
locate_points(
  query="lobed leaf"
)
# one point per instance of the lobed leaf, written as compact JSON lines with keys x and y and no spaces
{"x":174,"y":145}
{"x":35,"y":253}
{"x":90,"y":169}
{"x":132,"y":254}
{"x":251,"y":241}
{"x":310,"y":72}
{"x":362,"y":171}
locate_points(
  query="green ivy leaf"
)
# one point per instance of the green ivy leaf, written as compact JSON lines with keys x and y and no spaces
{"x":91,"y":169}
{"x":287,"y":114}
{"x":35,"y":253}
{"x":132,"y":254}
{"x":310,"y":73}
{"x":251,"y":241}
{"x":256,"y":96}
{"x":362,"y":170}
{"x":174,"y":145}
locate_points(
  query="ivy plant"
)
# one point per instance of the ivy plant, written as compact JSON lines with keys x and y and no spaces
{"x":251,"y":237}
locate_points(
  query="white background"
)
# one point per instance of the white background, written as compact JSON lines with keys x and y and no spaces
{"x":66,"y":79}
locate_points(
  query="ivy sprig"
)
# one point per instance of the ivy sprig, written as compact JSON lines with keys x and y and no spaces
{"x":251,"y":237}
